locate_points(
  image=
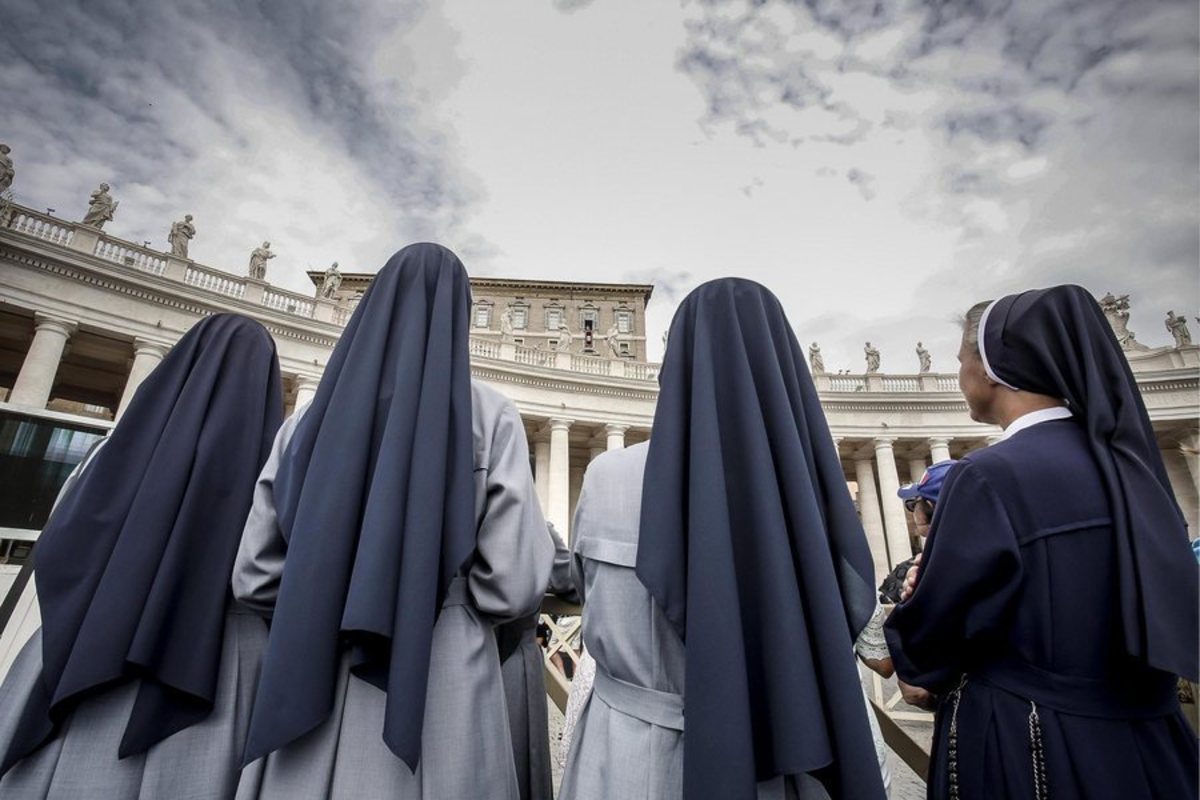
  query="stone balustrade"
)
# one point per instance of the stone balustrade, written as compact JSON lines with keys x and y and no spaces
{"x":130,"y":255}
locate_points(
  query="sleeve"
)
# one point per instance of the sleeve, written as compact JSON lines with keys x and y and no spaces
{"x":871,"y":644}
{"x":970,"y":577}
{"x":258,"y":567}
{"x":513,"y":551}
{"x":579,"y":530}
{"x":561,"y":581}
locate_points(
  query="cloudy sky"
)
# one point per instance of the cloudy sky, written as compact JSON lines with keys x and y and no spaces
{"x":880,"y":169}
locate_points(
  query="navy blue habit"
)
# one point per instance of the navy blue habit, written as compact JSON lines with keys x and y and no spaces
{"x":376,"y":502}
{"x":1057,"y":598}
{"x":132,"y":568}
{"x":751,"y":545}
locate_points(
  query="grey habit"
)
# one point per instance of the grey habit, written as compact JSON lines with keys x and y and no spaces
{"x":465,"y":748}
{"x":628,"y":742}
{"x":525,"y":688}
{"x":200,"y":762}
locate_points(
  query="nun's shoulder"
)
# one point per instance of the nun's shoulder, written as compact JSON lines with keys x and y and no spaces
{"x":627,"y":463}
{"x":491,"y":411}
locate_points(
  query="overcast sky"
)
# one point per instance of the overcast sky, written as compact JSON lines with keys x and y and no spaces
{"x":880,"y":170}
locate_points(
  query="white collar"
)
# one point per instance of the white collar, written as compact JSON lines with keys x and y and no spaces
{"x":1034,"y":418}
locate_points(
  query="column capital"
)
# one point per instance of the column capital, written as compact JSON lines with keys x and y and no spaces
{"x":560,"y":424}
{"x":883,"y":442}
{"x":939,"y":440}
{"x":45,"y":321}
{"x":150,"y":347}
{"x":305,"y":380}
{"x":615,"y":427}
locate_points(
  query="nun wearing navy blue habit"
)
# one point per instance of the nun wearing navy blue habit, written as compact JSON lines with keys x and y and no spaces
{"x":1057,"y":601}
{"x":139,"y":681}
{"x":393,"y":526}
{"x":725,"y":577}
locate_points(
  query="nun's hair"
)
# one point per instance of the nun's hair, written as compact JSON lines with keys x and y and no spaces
{"x":970,"y":324}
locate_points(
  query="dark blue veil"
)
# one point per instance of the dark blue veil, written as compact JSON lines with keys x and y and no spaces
{"x":1057,"y":342}
{"x":133,"y":567}
{"x":751,"y":545}
{"x":376,"y":501}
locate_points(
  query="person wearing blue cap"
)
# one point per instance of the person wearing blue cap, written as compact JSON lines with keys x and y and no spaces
{"x":919,"y":500}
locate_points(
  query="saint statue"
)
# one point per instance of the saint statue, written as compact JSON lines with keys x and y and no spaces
{"x":611,"y":336}
{"x":1179,"y":329}
{"x":332,"y":282}
{"x":816,"y":362}
{"x":181,"y":233}
{"x":258,"y":261}
{"x":924,"y":358}
{"x":872,"y":358}
{"x":7,"y":173}
{"x":1116,"y":309}
{"x":506,"y":325}
{"x":565,"y":337}
{"x":101,"y":208}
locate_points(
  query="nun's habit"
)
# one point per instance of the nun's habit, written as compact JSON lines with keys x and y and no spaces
{"x":138,"y":683}
{"x":728,"y":594}
{"x":394,"y":524}
{"x":523,"y":666}
{"x":1057,"y":598}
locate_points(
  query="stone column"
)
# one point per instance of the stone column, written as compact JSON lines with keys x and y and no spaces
{"x":558,"y":506}
{"x":939,"y":449}
{"x":868,"y":507}
{"x":36,"y":378}
{"x":146,"y":355}
{"x":615,"y":435}
{"x":595,"y":452}
{"x":895,"y":520}
{"x":1189,"y":446}
{"x":306,"y":389}
{"x":576,"y":486}
{"x":916,"y":469}
{"x":541,"y":473}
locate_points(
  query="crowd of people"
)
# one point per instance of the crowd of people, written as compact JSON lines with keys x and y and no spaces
{"x":344,"y":604}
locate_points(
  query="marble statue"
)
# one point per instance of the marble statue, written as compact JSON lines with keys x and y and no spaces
{"x":332,"y":282}
{"x":1116,"y":309}
{"x":181,"y":233}
{"x":924,"y":358}
{"x":101,"y":208}
{"x":816,"y":362}
{"x":7,"y":173}
{"x":258,"y":261}
{"x":565,"y":338}
{"x":506,"y":325}
{"x":1179,"y":329}
{"x":872,"y":358}
{"x":611,"y":337}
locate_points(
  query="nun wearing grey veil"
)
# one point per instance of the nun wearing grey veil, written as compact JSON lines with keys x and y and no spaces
{"x":393,"y":526}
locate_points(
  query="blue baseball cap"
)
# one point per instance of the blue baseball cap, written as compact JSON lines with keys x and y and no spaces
{"x":930,"y":484}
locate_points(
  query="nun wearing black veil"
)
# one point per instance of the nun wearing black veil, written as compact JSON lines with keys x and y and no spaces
{"x":725,"y":577}
{"x":1057,"y":596}
{"x":139,"y":681}
{"x":393,"y":526}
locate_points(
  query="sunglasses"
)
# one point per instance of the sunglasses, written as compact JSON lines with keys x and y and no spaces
{"x":911,"y":504}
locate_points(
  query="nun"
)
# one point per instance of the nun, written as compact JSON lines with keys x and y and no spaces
{"x":394,"y":525}
{"x":725,"y":577}
{"x":523,"y":667}
{"x":139,"y":681}
{"x":1056,"y":601}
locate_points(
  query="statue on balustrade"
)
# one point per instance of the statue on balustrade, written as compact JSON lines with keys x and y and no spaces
{"x":101,"y":208}
{"x":181,"y":233}
{"x":872,"y":358}
{"x":332,"y":282}
{"x":925,"y":359}
{"x":1116,"y":309}
{"x":7,"y":173}
{"x":506,"y":325}
{"x":816,"y":362}
{"x":565,"y":338}
{"x":612,"y":336}
{"x":258,"y":261}
{"x":1179,"y":329}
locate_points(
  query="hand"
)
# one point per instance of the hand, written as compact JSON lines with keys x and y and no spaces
{"x":911,"y":578}
{"x":916,"y":696}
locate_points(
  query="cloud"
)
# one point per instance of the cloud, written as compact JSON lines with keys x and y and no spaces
{"x":295,"y":122}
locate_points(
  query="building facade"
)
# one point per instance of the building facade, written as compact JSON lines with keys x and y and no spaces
{"x":85,"y":316}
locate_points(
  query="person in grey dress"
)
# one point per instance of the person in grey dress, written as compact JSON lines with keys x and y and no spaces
{"x":725,"y":576}
{"x":464,"y":742}
{"x":522,"y":664}
{"x":200,"y":426}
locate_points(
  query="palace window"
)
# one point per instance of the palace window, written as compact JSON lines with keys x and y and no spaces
{"x":520,"y":317}
{"x":624,"y":348}
{"x":483,"y":316}
{"x":624,"y":321}
{"x":589,"y":319}
{"x":554,"y":318}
